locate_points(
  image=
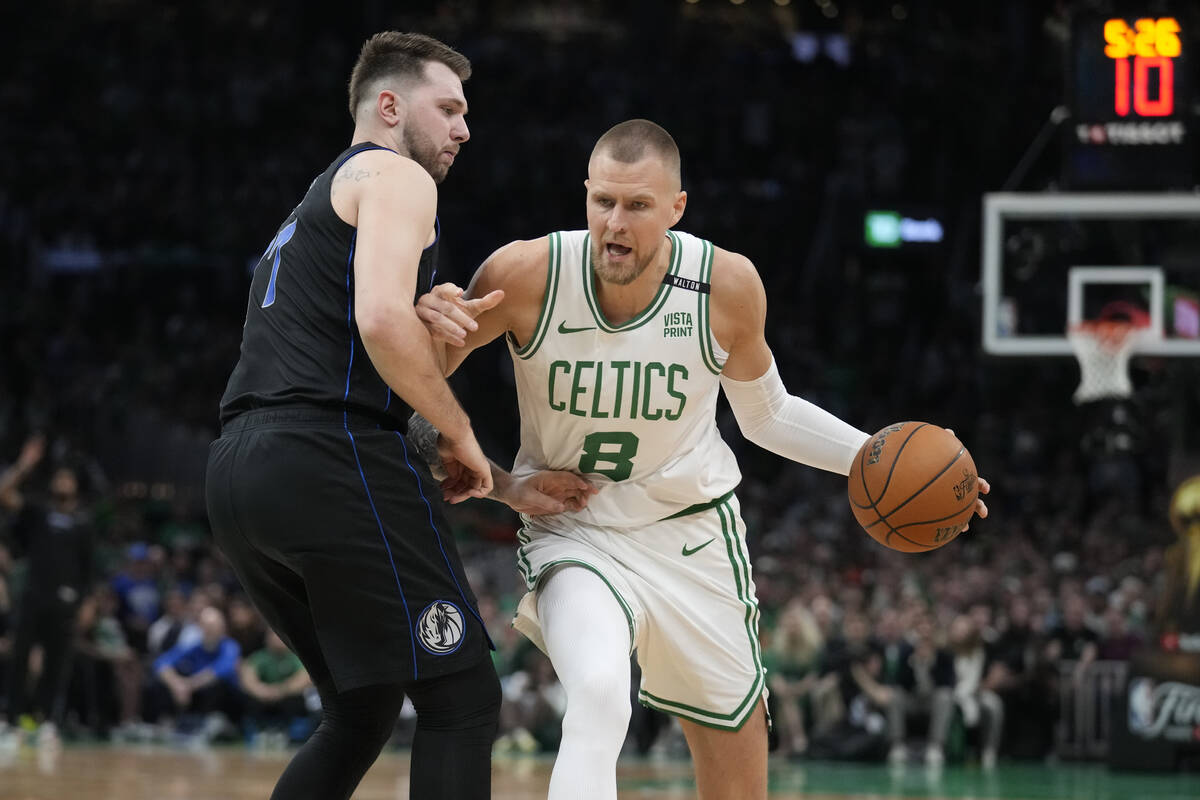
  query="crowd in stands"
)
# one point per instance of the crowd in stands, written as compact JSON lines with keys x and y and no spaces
{"x":128,"y":246}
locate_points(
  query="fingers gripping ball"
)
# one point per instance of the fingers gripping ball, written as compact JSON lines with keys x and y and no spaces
{"x":913,"y":486}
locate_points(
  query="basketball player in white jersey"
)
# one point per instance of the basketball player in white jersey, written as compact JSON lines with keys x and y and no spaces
{"x":620,"y":336}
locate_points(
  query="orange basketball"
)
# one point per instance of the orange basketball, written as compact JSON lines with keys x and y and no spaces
{"x":913,"y":486}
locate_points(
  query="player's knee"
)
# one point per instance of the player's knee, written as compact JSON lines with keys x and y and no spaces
{"x":462,"y":701}
{"x":599,"y":698}
{"x":483,"y":696}
{"x":368,"y":714}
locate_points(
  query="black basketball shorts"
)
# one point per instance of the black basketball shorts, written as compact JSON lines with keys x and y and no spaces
{"x":335,"y":529}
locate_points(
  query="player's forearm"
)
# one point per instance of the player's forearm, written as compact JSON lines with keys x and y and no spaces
{"x":791,"y":426}
{"x":402,"y":353}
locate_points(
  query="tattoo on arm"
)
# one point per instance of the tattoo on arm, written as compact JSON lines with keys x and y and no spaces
{"x":422,"y":434}
{"x":349,"y":173}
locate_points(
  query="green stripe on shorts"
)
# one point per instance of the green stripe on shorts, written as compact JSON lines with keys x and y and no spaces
{"x":572,"y":562}
{"x":741,"y":575}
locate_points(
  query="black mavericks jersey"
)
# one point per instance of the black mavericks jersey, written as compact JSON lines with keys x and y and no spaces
{"x":300,"y":344}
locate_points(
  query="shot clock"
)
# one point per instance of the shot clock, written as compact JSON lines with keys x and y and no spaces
{"x":1130,"y":81}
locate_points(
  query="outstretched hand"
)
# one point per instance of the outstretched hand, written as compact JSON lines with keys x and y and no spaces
{"x":547,"y":492}
{"x":448,"y":317}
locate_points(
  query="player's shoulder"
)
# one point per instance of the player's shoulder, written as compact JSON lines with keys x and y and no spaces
{"x":519,"y":257}
{"x":517,"y":267}
{"x":733,"y":274}
{"x":387,"y":164}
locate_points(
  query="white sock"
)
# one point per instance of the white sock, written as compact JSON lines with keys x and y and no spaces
{"x":587,"y":638}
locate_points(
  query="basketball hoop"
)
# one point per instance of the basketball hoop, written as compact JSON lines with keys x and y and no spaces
{"x":1103,"y":347}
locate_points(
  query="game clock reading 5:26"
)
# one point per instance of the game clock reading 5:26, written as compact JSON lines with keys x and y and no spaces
{"x":1149,"y":46}
{"x":1130,"y":87}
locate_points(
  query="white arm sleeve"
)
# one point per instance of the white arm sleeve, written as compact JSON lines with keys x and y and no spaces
{"x":790,"y":426}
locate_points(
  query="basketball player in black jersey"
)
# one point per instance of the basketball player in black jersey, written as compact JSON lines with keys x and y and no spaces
{"x":326,"y":512}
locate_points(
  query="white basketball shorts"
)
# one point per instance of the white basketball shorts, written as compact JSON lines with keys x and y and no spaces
{"x":684,"y":584}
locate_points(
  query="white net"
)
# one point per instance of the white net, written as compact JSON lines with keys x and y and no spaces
{"x":1103,"y":348}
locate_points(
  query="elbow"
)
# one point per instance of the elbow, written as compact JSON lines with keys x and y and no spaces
{"x":384,"y":321}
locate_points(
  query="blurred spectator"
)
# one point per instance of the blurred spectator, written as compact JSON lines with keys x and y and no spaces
{"x":274,"y":684}
{"x":1072,"y":639}
{"x":791,"y":663}
{"x":138,"y":594}
{"x":57,"y":540}
{"x":111,"y":670}
{"x":851,"y":669}
{"x":246,"y":625}
{"x":164,"y":633}
{"x":980,"y":707}
{"x":981,"y":615}
{"x":1024,"y":681}
{"x":200,"y":679}
{"x":924,"y":687}
{"x":1119,"y":642}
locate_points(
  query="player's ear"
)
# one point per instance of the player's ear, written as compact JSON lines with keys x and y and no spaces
{"x":391,"y":107}
{"x":677,"y":208}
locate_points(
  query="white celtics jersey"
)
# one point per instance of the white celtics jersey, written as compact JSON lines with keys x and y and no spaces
{"x":631,"y":407}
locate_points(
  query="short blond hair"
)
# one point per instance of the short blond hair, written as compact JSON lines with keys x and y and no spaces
{"x":628,"y":142}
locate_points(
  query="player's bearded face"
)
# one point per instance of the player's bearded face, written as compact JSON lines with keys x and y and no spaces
{"x":422,"y":149}
{"x":629,"y":209}
{"x":436,"y":124}
{"x":611,"y":267}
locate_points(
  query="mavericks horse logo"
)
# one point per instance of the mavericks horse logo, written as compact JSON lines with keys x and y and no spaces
{"x":440,"y":628}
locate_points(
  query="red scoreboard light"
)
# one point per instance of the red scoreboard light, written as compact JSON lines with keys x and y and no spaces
{"x":1130,"y":85}
{"x":1152,"y":44}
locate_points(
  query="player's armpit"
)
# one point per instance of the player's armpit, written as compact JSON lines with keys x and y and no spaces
{"x":738,"y":304}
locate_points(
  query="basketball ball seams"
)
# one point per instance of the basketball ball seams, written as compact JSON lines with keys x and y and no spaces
{"x":928,"y":483}
{"x":926,"y":518}
{"x":939,"y":519}
{"x":896,"y":460}
{"x":862,"y":467}
{"x":923,"y":521}
{"x":892,"y":530}
{"x":862,"y":473}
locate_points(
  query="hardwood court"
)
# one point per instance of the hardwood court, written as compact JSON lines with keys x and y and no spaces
{"x":235,"y":773}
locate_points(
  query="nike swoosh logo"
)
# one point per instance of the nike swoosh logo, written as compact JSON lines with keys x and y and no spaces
{"x":562,"y":328}
{"x":697,"y":549}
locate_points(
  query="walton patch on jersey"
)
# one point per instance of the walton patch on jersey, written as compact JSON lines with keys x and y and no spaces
{"x":650,"y":390}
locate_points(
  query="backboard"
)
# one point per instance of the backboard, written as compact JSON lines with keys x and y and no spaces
{"x":1053,"y":260}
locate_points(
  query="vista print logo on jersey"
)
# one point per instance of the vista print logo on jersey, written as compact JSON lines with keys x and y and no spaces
{"x":440,"y":628}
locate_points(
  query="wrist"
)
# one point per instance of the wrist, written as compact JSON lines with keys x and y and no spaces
{"x":459,"y":431}
{"x":501,"y":483}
